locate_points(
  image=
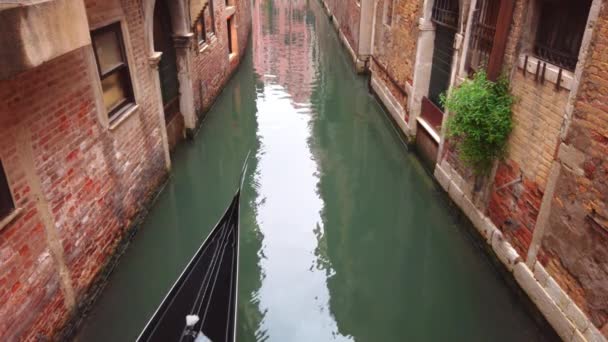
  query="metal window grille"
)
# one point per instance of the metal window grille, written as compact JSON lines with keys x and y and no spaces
{"x":445,"y":12}
{"x":483,"y":30}
{"x":560,"y":31}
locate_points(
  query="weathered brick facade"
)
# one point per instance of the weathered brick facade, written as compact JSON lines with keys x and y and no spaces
{"x":212,"y":66}
{"x":79,"y":182}
{"x":574,"y":246}
{"x":353,"y":20}
{"x":348,"y":14}
{"x":546,"y":200}
{"x":395,"y":46}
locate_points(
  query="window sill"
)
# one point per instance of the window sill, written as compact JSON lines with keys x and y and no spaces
{"x":8,"y":219}
{"x":230,"y":10}
{"x":429,"y":129}
{"x":551,"y":71}
{"x":207,"y":44}
{"x":121,"y":117}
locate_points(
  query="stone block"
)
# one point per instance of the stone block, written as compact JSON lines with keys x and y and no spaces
{"x":489,"y":229}
{"x":592,"y":334}
{"x":504,"y":251}
{"x":442,"y":178}
{"x":540,"y":274}
{"x":578,"y":337}
{"x":456,"y":195}
{"x":562,"y":325}
{"x":577,"y":316}
{"x":557,"y":294}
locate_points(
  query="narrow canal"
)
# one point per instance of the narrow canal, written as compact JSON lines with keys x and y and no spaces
{"x":344,"y":235}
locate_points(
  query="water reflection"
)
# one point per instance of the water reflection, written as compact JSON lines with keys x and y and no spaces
{"x":357,"y":243}
{"x":343,"y":235}
{"x":293,"y":295}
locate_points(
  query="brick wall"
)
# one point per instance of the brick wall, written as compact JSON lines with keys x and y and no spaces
{"x":537,"y":117}
{"x":211,"y":65}
{"x":93,"y":183}
{"x":78,"y":183}
{"x":348,"y":14}
{"x":574,"y":246}
{"x":395,"y":46}
{"x":396,"y":89}
{"x":548,"y":197}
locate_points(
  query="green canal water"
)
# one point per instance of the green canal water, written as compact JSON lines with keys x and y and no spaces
{"x":344,"y":235}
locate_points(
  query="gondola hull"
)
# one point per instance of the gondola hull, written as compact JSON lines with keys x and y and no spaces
{"x":207,"y":288}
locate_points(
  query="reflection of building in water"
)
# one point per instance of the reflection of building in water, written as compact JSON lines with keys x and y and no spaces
{"x":283,"y":48}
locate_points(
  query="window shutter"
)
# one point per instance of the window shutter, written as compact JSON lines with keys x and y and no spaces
{"x":505,"y":16}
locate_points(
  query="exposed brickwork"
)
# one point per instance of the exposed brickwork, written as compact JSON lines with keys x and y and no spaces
{"x":573,"y":239}
{"x":395,"y":45}
{"x":397,"y":90}
{"x":94,"y":180}
{"x":91,"y":191}
{"x":348,"y":13}
{"x":210,"y":63}
{"x":537,"y":117}
{"x":514,"y":208}
{"x":575,"y":244}
{"x":516,"y":32}
{"x":538,"y":114}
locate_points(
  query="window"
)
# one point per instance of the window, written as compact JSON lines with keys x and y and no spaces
{"x":483,"y":30}
{"x":204,"y":25}
{"x":6,"y":199}
{"x":230,"y":48}
{"x":445,"y":13}
{"x":209,"y":24}
{"x":201,"y":35}
{"x":113,"y":68}
{"x":560,"y":29}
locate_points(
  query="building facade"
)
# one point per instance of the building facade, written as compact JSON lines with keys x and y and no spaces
{"x":353,"y":20}
{"x":93,"y":96}
{"x":543,"y":209}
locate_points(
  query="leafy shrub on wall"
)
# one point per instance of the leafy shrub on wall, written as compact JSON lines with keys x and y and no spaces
{"x":481,"y":120}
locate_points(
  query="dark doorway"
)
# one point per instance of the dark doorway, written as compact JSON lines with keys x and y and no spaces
{"x":445,"y":18}
{"x":167,"y":68}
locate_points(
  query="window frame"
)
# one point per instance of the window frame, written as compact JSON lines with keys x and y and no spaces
{"x":534,"y":30}
{"x":201,"y":20}
{"x":12,"y":205}
{"x":484,"y":24}
{"x":122,"y":69}
{"x":206,"y":37}
{"x":229,"y":23}
{"x":212,"y":16}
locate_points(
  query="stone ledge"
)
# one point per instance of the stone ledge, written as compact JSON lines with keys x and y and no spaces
{"x":559,"y":309}
{"x":359,"y":64}
{"x":391,"y":104}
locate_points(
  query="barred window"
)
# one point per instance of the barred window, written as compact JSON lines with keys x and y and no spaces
{"x":560,"y":29}
{"x":483,"y":30}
